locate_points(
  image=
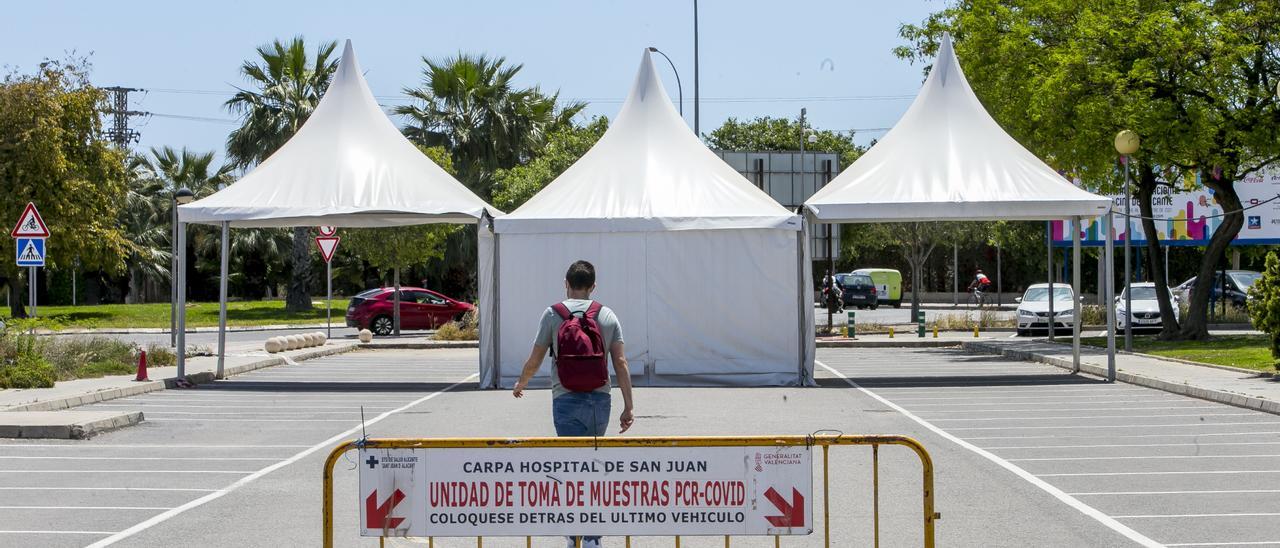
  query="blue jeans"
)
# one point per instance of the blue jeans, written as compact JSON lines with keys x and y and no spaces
{"x":581,"y":414}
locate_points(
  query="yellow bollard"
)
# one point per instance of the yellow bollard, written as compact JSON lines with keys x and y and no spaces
{"x":975,"y":331}
{"x":890,"y":332}
{"x":935,"y":330}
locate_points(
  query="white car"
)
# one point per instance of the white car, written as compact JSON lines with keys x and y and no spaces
{"x":1033,"y":308}
{"x":1146,"y":309}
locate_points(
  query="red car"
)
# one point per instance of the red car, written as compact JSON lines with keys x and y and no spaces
{"x":419,"y":309}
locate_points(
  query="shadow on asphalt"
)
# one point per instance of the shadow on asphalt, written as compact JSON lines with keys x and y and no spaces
{"x":960,"y":380}
{"x":330,"y":386}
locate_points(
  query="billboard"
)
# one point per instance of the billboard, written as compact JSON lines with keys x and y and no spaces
{"x":1187,"y":214}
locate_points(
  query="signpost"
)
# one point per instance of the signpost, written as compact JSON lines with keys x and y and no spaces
{"x":557,"y":491}
{"x":29,"y":239}
{"x":328,"y":243}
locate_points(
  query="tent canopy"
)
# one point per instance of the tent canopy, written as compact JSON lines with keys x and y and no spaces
{"x":947,"y":159}
{"x":648,"y":172}
{"x":347,"y":166}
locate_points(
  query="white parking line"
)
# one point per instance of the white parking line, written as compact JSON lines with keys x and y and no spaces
{"x":1217,"y":492}
{"x":43,"y":457}
{"x":1101,"y":445}
{"x":1055,"y":409}
{"x":1247,"y":543}
{"x":1146,"y":457}
{"x":1077,"y":417}
{"x":1090,"y":426}
{"x":85,"y":507}
{"x":1027,"y":476}
{"x":269,"y":469}
{"x":1249,"y":515}
{"x":106,"y":489}
{"x":1126,"y":436}
{"x":1177,"y":473}
{"x":1155,"y":398}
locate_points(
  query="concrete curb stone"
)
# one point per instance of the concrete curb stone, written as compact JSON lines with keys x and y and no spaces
{"x":73,"y":430}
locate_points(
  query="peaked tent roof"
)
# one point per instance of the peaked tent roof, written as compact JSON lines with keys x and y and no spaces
{"x":347,"y":166}
{"x":648,"y":172}
{"x":947,"y":159}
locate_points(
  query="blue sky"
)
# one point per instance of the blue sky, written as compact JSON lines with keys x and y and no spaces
{"x":757,"y":57}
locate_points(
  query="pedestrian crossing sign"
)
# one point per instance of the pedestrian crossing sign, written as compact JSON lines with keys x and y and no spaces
{"x":30,"y":251}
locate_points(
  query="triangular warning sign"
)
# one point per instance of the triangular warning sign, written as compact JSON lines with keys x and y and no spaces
{"x":30,"y":253}
{"x":30,"y":224}
{"x":327,"y":245}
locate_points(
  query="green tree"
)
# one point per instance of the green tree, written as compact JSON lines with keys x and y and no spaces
{"x":50,"y":154}
{"x":470,"y":105}
{"x":914,"y":242}
{"x":397,"y":248}
{"x":1264,"y":310}
{"x":1195,"y":78}
{"x":781,"y":134}
{"x":287,"y":84}
{"x":514,"y":186}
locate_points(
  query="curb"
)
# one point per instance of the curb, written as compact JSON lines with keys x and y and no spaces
{"x":914,"y":343}
{"x":161,"y":330}
{"x":73,"y":431}
{"x":201,"y":377}
{"x":1217,"y":396}
{"x":432,"y":345}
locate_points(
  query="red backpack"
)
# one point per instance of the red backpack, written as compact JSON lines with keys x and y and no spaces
{"x":580,"y":361}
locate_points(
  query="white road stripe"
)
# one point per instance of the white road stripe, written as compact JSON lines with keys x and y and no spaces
{"x":1001,"y":401}
{"x":44,"y":457}
{"x":1247,"y":543}
{"x":1176,"y":473}
{"x":1077,"y":417}
{"x":1101,"y":445}
{"x":85,"y":507}
{"x":1054,"y":409}
{"x":1146,"y":457}
{"x":1027,"y":476}
{"x":106,"y":489}
{"x":1126,"y":436}
{"x":269,"y":469}
{"x":1217,"y":492}
{"x":1249,"y":515}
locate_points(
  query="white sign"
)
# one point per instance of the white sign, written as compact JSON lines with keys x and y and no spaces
{"x":559,"y":491}
{"x":327,"y":245}
{"x":30,"y":224}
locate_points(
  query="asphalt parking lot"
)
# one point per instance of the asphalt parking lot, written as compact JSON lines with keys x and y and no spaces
{"x":1025,"y":454}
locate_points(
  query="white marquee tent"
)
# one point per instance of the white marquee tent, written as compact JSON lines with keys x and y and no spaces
{"x":348,"y":166}
{"x":706,"y":272}
{"x":947,"y":159}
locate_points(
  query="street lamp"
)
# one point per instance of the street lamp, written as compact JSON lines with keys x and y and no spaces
{"x":679,"y":88}
{"x":1127,"y":143}
{"x":180,"y":196}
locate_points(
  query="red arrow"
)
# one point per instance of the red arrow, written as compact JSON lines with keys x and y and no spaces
{"x":377,"y":516}
{"x":792,"y":514}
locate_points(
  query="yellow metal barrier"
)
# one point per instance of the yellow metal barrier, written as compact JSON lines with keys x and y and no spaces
{"x":823,"y":440}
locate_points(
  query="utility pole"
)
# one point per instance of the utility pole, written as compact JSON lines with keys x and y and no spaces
{"x":119,"y":132}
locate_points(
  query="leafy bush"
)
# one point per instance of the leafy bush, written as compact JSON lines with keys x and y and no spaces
{"x":1264,"y":311}
{"x":28,"y":371}
{"x":160,"y":356}
{"x":466,"y":330}
{"x":69,"y":354}
{"x":101,"y":369}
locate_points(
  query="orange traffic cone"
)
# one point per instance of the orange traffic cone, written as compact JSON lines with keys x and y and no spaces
{"x":142,"y":366}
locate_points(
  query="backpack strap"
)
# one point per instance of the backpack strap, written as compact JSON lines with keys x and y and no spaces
{"x":593,"y":310}
{"x":562,"y":311}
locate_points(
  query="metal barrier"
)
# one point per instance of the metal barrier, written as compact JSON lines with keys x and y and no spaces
{"x":823,"y":440}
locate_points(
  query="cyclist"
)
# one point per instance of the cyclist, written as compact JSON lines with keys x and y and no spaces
{"x":980,"y":284}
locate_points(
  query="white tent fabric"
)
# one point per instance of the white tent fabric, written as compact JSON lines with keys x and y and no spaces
{"x":705,"y":271}
{"x":347,"y":166}
{"x":947,"y":159}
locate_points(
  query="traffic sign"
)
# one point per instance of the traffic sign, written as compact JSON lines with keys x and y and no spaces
{"x":30,"y":224}
{"x":327,"y":245}
{"x":30,"y":251}
{"x":327,"y":230}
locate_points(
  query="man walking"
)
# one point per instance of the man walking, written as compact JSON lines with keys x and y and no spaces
{"x":579,"y":332}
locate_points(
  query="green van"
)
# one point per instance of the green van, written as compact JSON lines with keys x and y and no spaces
{"x":888,"y":284}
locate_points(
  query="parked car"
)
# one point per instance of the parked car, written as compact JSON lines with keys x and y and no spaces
{"x":419,"y":309}
{"x":1238,"y":284}
{"x":1033,"y":308}
{"x":888,"y":284}
{"x":859,"y":290}
{"x":1146,"y":309}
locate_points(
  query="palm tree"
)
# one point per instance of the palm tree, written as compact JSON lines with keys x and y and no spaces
{"x":287,"y":85}
{"x":147,"y":216}
{"x":470,"y":105}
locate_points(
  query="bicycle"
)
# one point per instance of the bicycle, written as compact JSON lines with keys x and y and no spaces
{"x":977,"y":298}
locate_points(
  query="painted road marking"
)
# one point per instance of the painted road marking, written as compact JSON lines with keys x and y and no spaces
{"x":1178,"y":473}
{"x":1054,"y":409}
{"x":1000,"y":401}
{"x":1030,"y":478}
{"x":1074,"y":417}
{"x":1073,"y":427}
{"x":1094,"y":446}
{"x":1144,"y":457}
{"x":1249,"y":543}
{"x":1126,"y":436}
{"x":1217,"y":492}
{"x":165,"y":516}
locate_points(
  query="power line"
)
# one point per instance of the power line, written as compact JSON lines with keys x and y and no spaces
{"x":763,"y":99}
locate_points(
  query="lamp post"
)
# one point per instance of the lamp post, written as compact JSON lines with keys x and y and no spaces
{"x":1127,"y":143}
{"x":679,"y":88}
{"x":180,"y":196}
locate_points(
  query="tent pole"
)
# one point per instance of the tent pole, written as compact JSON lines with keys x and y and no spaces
{"x":180,"y":346}
{"x":496,"y":308}
{"x":395,"y":312}
{"x":806,"y":297}
{"x":999,"y":287}
{"x":328,"y":301}
{"x":222,"y":298}
{"x":1110,"y":291}
{"x":1075,"y":282}
{"x":955,"y":274}
{"x":1048,"y":238}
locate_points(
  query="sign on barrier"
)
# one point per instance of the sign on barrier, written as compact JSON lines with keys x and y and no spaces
{"x":737,"y":490}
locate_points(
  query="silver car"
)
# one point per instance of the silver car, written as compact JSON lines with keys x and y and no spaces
{"x":1146,"y":309}
{"x":1033,"y":308}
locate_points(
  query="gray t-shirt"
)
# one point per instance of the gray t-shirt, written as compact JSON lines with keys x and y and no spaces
{"x":610,"y":332}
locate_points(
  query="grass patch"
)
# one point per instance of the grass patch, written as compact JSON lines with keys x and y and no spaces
{"x":32,"y":361}
{"x":242,"y":313}
{"x":1247,"y":351}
